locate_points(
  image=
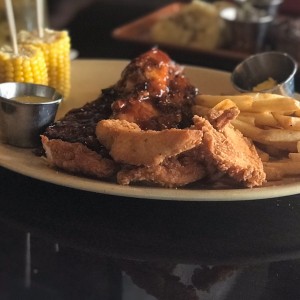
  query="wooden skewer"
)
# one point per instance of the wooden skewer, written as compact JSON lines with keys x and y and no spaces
{"x":40,"y":17}
{"x":12,"y":25}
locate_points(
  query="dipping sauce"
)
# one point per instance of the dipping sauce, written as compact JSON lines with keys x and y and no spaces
{"x":31,"y":99}
{"x":265,"y":85}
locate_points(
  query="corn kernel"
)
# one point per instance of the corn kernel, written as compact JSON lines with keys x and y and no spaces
{"x":56,"y":49}
{"x":21,"y":67}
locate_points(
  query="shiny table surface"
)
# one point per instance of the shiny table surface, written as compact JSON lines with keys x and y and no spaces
{"x":62,"y":243}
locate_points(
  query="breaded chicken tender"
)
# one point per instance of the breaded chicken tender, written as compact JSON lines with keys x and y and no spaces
{"x":171,"y":173}
{"x":231,"y":153}
{"x":127,"y":143}
{"x":78,"y":159}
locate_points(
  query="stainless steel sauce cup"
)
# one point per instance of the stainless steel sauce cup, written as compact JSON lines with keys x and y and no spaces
{"x":270,"y":6}
{"x":22,"y":123}
{"x":246,"y":28}
{"x":260,"y":67}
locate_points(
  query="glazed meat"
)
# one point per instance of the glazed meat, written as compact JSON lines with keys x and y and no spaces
{"x":154,"y":93}
{"x":78,"y":125}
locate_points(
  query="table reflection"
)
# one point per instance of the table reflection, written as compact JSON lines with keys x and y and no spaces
{"x":36,"y":268}
{"x":60,"y":243}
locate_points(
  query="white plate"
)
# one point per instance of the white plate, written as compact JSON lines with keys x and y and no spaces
{"x":88,"y":78}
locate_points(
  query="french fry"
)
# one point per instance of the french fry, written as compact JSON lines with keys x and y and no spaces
{"x":261,"y":119}
{"x":243,"y":102}
{"x":298,"y":146}
{"x":288,"y":113}
{"x":264,"y":156}
{"x":264,"y":96}
{"x":267,"y":135}
{"x":273,"y":173}
{"x":283,"y":147}
{"x":279,"y":135}
{"x":279,"y":104}
{"x":247,"y":129}
{"x":287,"y":167}
{"x":225,"y":104}
{"x":279,"y":138}
{"x":294,"y":156}
{"x":247,"y":118}
{"x":287,"y":122}
{"x":274,"y":149}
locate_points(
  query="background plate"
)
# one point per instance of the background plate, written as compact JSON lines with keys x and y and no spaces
{"x":139,"y":31}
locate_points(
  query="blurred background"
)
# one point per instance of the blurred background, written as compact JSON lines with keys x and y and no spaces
{"x":215,"y":34}
{"x":91,"y":22}
{"x":123,"y":28}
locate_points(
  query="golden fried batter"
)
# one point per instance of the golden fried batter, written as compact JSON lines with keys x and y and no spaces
{"x":77,"y":158}
{"x":231,"y":153}
{"x":128,"y":144}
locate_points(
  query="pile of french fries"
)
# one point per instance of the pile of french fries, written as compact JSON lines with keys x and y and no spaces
{"x":271,"y":121}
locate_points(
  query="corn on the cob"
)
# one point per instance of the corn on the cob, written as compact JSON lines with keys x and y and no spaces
{"x":56,"y":48}
{"x":28,"y":66}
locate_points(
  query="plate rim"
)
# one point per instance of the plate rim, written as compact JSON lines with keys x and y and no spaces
{"x":152,"y":193}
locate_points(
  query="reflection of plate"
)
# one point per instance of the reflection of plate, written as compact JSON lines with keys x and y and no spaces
{"x":138,"y":31}
{"x":88,"y":78}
